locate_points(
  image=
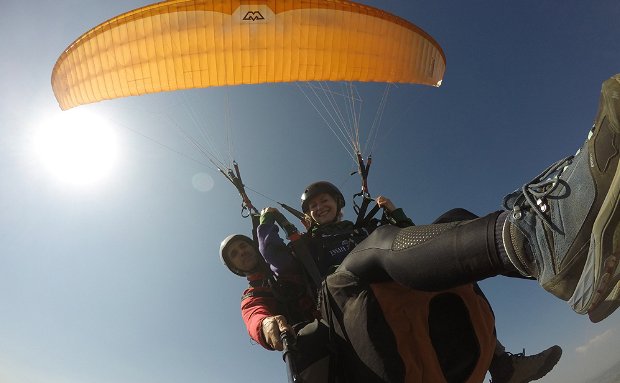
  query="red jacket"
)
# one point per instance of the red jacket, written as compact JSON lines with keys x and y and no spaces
{"x":257,"y":303}
{"x":261,"y":300}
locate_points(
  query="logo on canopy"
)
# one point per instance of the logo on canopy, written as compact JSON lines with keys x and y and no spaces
{"x":253,"y":16}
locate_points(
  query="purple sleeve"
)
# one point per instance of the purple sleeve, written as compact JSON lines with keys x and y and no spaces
{"x":274,"y":250}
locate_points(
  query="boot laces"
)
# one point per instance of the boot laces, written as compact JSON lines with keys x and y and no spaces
{"x":534,"y":193}
{"x":511,"y":359}
{"x":522,"y":355}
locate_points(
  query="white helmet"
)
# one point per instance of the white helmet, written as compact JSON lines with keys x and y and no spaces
{"x":223,"y":248}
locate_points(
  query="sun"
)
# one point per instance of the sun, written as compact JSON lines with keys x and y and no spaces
{"x":78,"y":148}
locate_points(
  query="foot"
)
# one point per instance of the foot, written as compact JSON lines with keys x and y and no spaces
{"x":563,"y":223}
{"x":518,"y":368}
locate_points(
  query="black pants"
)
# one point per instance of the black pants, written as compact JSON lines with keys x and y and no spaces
{"x":432,"y":257}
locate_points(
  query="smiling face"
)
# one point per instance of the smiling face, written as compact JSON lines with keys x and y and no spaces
{"x":242,"y":256}
{"x":323,"y":208}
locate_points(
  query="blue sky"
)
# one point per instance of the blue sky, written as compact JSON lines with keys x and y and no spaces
{"x":121,"y":282}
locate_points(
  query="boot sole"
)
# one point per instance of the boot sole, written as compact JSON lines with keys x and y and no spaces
{"x":598,"y":289}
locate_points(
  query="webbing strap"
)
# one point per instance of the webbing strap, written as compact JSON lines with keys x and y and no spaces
{"x":361,"y":211}
{"x":302,"y":253}
{"x":255,"y":222}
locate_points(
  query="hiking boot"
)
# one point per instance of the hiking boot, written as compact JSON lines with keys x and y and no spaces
{"x":562,"y":226}
{"x":518,"y":368}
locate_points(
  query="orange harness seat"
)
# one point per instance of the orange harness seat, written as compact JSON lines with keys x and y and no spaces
{"x":387,"y":333}
{"x":440,"y":336}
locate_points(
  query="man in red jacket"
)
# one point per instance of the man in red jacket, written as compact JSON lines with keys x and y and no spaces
{"x":270,"y":302}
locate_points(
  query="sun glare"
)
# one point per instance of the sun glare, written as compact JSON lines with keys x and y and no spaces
{"x":78,"y":148}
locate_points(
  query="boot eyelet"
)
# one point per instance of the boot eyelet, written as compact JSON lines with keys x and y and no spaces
{"x":541,"y":205}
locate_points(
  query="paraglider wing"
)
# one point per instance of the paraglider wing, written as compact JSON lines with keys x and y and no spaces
{"x":181,"y":44}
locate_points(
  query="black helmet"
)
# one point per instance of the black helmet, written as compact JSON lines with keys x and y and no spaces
{"x":224,"y":248}
{"x":317,"y":188}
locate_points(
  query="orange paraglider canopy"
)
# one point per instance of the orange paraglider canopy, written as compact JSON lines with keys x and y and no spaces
{"x":181,"y":44}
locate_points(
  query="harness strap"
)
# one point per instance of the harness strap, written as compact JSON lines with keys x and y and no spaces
{"x":302,"y":253}
{"x":255,"y":222}
{"x":299,"y":247}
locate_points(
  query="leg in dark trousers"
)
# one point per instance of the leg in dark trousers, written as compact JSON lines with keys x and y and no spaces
{"x":430,"y":257}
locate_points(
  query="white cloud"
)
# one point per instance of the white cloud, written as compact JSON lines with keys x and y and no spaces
{"x":597,"y":341}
